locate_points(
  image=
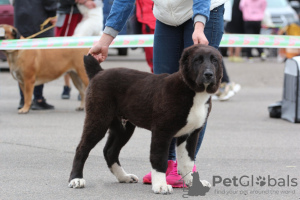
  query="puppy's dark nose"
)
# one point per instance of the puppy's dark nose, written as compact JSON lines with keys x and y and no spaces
{"x":208,"y":75}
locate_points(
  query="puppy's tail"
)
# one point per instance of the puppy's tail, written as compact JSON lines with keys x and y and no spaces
{"x":92,"y":66}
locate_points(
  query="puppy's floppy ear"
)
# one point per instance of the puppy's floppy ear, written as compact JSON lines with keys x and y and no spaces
{"x":184,"y":61}
{"x":15,"y":33}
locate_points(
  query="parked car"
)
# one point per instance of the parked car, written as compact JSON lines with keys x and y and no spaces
{"x":279,"y":13}
{"x":6,"y":12}
{"x":6,"y":17}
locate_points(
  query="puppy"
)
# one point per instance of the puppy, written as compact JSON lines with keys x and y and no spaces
{"x":169,"y":105}
{"x":38,"y":66}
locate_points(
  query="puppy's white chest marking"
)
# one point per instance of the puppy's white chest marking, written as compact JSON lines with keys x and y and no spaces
{"x":197,"y":114}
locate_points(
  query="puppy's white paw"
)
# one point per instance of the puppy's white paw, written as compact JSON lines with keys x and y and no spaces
{"x":205,"y":183}
{"x":188,"y":179}
{"x":128,"y":178}
{"x":162,"y":189}
{"x":77,"y":183}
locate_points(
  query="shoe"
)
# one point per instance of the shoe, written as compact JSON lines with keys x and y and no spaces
{"x":231,"y":58}
{"x":79,"y":97}
{"x":147,"y":177}
{"x":21,"y":104}
{"x":238,"y":59}
{"x":263,"y":56}
{"x":174,"y":179}
{"x":41,"y":105}
{"x":66,"y":92}
{"x":250,"y":60}
{"x":227,"y":90}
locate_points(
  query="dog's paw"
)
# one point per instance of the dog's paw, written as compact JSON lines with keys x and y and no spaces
{"x":80,"y":109}
{"x":128,"y":178}
{"x":205,"y":183}
{"x":162,"y":189}
{"x":188,"y":179}
{"x":77,"y":183}
{"x":23,"y":111}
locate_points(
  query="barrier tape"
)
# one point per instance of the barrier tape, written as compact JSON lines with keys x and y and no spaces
{"x":122,"y":41}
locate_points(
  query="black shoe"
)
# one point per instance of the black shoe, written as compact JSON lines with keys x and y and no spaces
{"x":41,"y":105}
{"x":21,"y":104}
{"x":66,"y":92}
{"x":79,"y":97}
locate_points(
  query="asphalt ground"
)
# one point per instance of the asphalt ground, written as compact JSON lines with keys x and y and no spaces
{"x":241,"y":143}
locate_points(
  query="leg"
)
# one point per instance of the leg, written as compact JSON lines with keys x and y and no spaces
{"x":27,"y":90}
{"x":186,"y":148}
{"x":95,"y":127}
{"x":118,"y":137}
{"x":159,"y":160}
{"x":81,"y":87}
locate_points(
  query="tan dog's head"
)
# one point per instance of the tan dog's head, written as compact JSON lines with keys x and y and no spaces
{"x":8,"y":32}
{"x":201,"y":68}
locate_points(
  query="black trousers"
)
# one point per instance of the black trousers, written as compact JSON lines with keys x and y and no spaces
{"x":252,"y":27}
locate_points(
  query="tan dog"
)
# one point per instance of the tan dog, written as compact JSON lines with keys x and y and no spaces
{"x":38,"y":66}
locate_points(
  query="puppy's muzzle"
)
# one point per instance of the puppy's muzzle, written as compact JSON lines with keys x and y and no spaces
{"x":208,"y":76}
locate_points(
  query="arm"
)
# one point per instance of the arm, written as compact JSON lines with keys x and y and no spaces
{"x":201,"y":12}
{"x":116,"y":20}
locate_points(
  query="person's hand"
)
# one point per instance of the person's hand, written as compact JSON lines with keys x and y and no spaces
{"x":53,"y":21}
{"x":100,"y":49}
{"x":81,"y":1}
{"x":90,"y":4}
{"x":198,"y":34}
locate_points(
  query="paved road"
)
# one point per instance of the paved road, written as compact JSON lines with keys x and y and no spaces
{"x":37,"y":149}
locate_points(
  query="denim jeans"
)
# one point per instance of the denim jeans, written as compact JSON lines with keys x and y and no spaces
{"x":169,"y":42}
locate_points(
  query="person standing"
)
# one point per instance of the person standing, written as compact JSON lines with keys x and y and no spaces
{"x":28,"y":16}
{"x":253,"y":13}
{"x":235,"y":25}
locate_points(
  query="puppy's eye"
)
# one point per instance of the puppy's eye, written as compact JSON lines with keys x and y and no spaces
{"x":214,"y":60}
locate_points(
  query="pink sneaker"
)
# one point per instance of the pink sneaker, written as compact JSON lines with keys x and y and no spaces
{"x":173,"y":177}
{"x":147,"y":177}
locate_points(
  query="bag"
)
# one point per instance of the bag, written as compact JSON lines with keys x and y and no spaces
{"x":290,"y":109}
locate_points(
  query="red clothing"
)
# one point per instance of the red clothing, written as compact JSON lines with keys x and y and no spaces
{"x":60,"y":31}
{"x":144,"y":12}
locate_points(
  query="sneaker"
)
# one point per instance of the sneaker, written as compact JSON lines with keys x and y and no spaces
{"x":41,"y":105}
{"x":231,"y":58}
{"x":227,"y":90}
{"x":174,"y":179}
{"x":147,"y":177}
{"x":66,"y":92}
{"x":250,"y":60}
{"x":263,"y":56}
{"x":238,"y":59}
{"x":79,"y":97}
{"x":21,"y":104}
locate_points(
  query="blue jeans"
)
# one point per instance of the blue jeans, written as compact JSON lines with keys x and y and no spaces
{"x":169,"y":42}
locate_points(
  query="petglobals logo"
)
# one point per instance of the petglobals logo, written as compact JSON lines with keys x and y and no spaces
{"x":255,"y":185}
{"x":246,"y":181}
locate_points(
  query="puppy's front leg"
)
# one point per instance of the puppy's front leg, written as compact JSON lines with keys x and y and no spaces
{"x":186,"y":147}
{"x":159,"y":161}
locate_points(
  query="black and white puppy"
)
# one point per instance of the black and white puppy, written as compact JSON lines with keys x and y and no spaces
{"x":169,"y":105}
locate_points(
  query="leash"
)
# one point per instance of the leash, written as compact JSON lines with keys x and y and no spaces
{"x":42,"y":27}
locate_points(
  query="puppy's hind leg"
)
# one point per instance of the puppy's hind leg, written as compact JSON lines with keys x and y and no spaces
{"x":95,"y":127}
{"x":118,"y":137}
